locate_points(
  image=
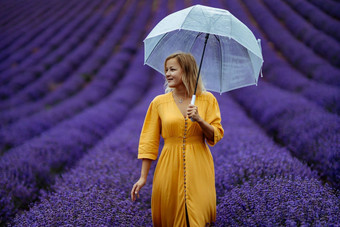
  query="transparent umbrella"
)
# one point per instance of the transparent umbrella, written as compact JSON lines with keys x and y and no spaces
{"x":230,"y":56}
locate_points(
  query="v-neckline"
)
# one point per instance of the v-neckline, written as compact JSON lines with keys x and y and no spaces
{"x":177,"y":107}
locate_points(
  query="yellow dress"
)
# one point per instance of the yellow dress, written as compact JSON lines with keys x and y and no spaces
{"x":184,"y":175}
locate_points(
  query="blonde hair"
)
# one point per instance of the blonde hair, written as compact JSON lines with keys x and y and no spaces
{"x":189,"y":78}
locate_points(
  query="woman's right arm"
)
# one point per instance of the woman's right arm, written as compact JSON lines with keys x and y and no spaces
{"x":146,"y":163}
{"x":148,"y":146}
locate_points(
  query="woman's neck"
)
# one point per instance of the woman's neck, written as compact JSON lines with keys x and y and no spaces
{"x":180,"y":92}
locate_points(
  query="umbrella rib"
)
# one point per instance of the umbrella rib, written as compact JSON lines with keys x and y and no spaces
{"x":186,"y":16}
{"x":166,"y":34}
{"x":198,"y":34}
{"x":218,"y":39}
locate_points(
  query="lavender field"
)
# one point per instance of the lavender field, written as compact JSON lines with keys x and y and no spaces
{"x":74,"y":93}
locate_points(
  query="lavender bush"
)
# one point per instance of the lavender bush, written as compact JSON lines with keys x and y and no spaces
{"x":98,"y":33}
{"x":329,"y":7}
{"x":280,"y":202}
{"x":27,"y":168}
{"x":58,"y":72}
{"x":296,"y":52}
{"x":246,"y":154}
{"x":18,"y":18}
{"x":96,"y":191}
{"x":309,"y":132}
{"x":26,"y":128}
{"x":320,"y":43}
{"x":47,"y":39}
{"x":279,"y":72}
{"x":94,"y":200}
{"x":98,"y":63}
{"x":317,"y":17}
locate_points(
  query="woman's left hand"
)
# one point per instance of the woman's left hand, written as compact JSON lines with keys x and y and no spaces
{"x":192,"y":112}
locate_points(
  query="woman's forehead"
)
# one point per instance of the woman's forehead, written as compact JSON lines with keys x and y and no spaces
{"x":172,"y":62}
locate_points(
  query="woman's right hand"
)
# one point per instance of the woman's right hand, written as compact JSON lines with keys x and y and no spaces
{"x":136,"y":188}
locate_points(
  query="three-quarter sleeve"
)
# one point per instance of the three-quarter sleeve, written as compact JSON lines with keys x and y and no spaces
{"x":150,"y":135}
{"x":213,"y":117}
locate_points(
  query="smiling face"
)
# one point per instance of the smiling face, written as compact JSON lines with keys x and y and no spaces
{"x":173,"y":73}
{"x":181,"y":73}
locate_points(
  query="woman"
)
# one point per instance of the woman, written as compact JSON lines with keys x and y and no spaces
{"x":183,"y":192}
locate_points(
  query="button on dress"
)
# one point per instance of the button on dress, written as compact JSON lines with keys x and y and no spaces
{"x":184,"y":178}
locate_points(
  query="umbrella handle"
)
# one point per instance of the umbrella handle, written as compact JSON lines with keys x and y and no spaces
{"x":193,"y":99}
{"x":193,"y":103}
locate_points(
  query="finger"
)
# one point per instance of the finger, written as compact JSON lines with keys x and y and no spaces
{"x":191,"y":111}
{"x":133,"y":193}
{"x":189,"y":114}
{"x":137,"y":192}
{"x":191,"y":106}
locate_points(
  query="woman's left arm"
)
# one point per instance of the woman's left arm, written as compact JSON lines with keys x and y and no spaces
{"x":208,"y":130}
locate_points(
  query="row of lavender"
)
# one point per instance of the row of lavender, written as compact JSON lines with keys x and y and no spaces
{"x":324,"y":45}
{"x":72,"y":97}
{"x":299,"y":55}
{"x":49,"y":66}
{"x":322,"y":21}
{"x":280,"y":73}
{"x":32,"y":167}
{"x":260,"y":183}
{"x":328,"y":6}
{"x":292,"y":119}
{"x":38,"y":26}
{"x":26,"y":16}
{"x":295,"y":122}
{"x":32,"y":36}
{"x":83,"y":76}
{"x":9,"y":21}
{"x":96,"y":191}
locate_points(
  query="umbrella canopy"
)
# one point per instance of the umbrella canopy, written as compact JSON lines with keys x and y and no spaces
{"x":232,"y":59}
